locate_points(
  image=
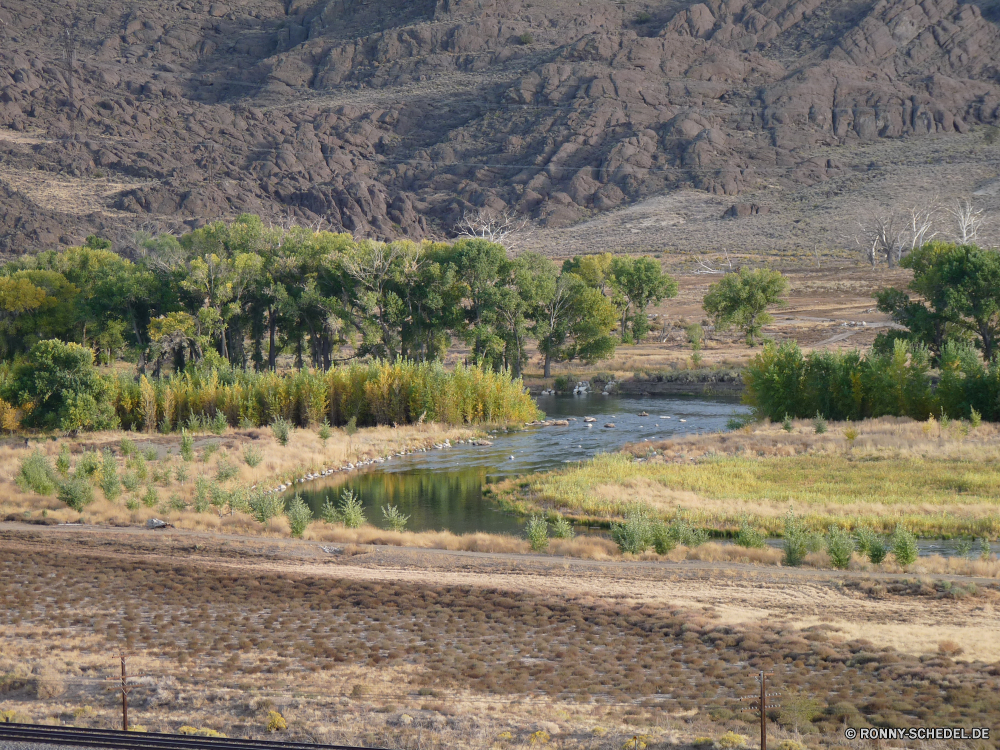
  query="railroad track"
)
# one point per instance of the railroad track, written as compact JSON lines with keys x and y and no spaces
{"x":142,"y":740}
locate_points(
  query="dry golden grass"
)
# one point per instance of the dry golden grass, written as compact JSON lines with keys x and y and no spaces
{"x":935,"y":479}
{"x":305,"y":453}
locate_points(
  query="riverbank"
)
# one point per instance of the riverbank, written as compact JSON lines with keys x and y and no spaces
{"x":704,"y":381}
{"x":938,"y":480}
{"x":128,"y":478}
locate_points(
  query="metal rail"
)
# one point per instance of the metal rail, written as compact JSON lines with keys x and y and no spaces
{"x":110,"y":738}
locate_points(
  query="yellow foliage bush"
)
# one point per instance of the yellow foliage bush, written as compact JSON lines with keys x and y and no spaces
{"x":276,"y":722}
{"x":541,"y":737}
{"x":790,"y":745}
{"x":731,"y":741}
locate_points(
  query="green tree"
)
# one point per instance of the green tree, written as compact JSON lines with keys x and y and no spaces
{"x":60,"y":388}
{"x":741,"y":299}
{"x":572,"y":320}
{"x":638,"y":283}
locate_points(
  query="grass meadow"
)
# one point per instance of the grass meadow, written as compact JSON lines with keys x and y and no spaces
{"x":936,"y":479}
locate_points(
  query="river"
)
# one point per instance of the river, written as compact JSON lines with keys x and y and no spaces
{"x":443,"y":489}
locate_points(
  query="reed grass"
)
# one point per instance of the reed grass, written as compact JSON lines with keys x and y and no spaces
{"x":376,"y":393}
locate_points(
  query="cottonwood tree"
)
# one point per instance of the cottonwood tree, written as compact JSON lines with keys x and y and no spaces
{"x":638,"y":283}
{"x":572,"y":319}
{"x":741,"y":299}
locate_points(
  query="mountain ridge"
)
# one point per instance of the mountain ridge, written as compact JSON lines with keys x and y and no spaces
{"x":396,"y":122}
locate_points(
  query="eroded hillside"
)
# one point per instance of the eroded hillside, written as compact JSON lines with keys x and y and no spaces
{"x":393,"y":119}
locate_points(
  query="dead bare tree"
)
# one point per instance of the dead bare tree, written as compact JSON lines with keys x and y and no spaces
{"x":501,"y":227}
{"x":968,"y":222}
{"x":881,"y":235}
{"x":922,"y":225}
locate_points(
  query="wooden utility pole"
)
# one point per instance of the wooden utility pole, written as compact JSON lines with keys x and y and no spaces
{"x":124,"y":686}
{"x":759,"y":703}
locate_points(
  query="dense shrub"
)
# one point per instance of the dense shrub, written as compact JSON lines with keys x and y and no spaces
{"x":796,"y":541}
{"x":59,"y":387}
{"x":298,"y":514}
{"x":37,"y":474}
{"x":537,"y":531}
{"x":635,"y":533}
{"x":782,"y":382}
{"x":839,"y":546}
{"x":76,"y":492}
{"x":904,"y":546}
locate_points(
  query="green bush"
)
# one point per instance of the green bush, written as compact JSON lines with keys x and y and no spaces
{"x":870,"y":544}
{"x":280,"y":428}
{"x":65,"y":388}
{"x":150,"y":497}
{"x":263,"y":507}
{"x":329,"y":512}
{"x":663,"y":539}
{"x":682,"y":532}
{"x":208,"y":451}
{"x":393,"y":517}
{"x":224,"y":471}
{"x":644,"y":17}
{"x":562,"y":384}
{"x":786,"y":423}
{"x":562,"y":528}
{"x":62,"y":460}
{"x":750,"y":536}
{"x":252,"y":456}
{"x":634,"y":535}
{"x":128,"y":447}
{"x":299,"y":515}
{"x":76,"y":492}
{"x":130,"y":480}
{"x":904,"y":546}
{"x":88,"y":465}
{"x":187,"y":446}
{"x":36,"y":474}
{"x":351,"y":513}
{"x":526,"y":38}
{"x":819,"y":424}
{"x":324,"y":431}
{"x":537,"y":531}
{"x":218,"y":424}
{"x":138,"y":464}
{"x":110,"y":484}
{"x":840,"y":547}
{"x":796,"y":541}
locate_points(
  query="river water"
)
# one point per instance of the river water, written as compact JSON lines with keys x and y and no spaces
{"x":443,"y":489}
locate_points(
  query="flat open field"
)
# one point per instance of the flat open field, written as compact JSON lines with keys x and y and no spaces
{"x":404,"y":648}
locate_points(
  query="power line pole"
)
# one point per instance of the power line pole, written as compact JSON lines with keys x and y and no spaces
{"x":125,"y":687}
{"x":759,"y":703}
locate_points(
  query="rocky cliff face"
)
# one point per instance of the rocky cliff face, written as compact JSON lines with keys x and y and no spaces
{"x":393,"y":119}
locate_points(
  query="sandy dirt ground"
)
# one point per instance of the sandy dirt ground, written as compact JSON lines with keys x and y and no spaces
{"x":856,"y":604}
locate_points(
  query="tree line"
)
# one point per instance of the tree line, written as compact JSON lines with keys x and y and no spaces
{"x":242,"y":293}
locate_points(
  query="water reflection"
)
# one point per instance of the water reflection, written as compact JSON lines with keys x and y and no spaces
{"x":442,"y":489}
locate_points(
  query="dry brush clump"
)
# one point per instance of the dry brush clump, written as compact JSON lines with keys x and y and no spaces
{"x":381,"y":650}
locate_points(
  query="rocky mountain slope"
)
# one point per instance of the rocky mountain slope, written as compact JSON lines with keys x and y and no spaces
{"x":395,"y":119}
